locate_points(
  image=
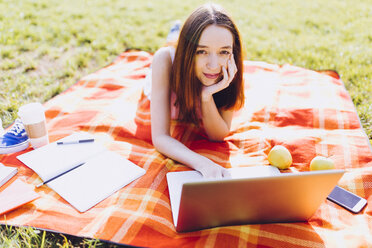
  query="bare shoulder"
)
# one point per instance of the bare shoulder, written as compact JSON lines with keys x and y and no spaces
{"x":162,"y":56}
{"x":161,"y":67}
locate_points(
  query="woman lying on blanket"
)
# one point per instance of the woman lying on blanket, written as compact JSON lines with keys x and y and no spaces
{"x":200,"y":82}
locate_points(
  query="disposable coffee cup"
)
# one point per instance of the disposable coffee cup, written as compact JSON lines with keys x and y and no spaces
{"x":33,"y":118}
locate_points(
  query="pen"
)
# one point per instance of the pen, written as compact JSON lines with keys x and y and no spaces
{"x":49,"y":180}
{"x":75,"y":142}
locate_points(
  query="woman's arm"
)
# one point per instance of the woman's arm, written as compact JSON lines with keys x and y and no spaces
{"x":160,"y":121}
{"x":216,"y":122}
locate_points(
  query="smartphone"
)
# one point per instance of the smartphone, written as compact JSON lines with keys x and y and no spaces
{"x":347,"y":199}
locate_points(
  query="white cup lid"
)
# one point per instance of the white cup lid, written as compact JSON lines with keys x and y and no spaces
{"x":31,"y":113}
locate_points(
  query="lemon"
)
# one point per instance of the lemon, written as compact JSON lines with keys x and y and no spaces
{"x":321,"y":163}
{"x":280,"y":157}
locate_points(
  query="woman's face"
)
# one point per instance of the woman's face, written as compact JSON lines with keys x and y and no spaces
{"x":213,"y":51}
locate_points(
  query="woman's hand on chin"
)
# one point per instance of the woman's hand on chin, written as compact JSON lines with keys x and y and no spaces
{"x":228,"y":76}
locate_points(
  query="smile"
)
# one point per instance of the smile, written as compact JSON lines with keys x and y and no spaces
{"x":211,"y":76}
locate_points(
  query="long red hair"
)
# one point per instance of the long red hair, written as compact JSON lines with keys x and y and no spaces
{"x":184,"y":82}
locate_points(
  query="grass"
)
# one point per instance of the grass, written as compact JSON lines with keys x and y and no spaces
{"x":47,"y":45}
{"x":30,"y":237}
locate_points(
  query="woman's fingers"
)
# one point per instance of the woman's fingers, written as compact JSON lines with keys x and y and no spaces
{"x":216,"y":173}
{"x":226,"y":173}
{"x":230,"y":71}
{"x":233,"y":67}
{"x":225,"y":80}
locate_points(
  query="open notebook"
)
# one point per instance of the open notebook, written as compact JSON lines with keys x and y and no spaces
{"x":96,"y":172}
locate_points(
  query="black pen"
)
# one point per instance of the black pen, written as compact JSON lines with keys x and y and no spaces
{"x":75,"y":142}
{"x":49,"y":180}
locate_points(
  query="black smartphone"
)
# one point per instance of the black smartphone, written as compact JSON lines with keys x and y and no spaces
{"x":347,"y":199}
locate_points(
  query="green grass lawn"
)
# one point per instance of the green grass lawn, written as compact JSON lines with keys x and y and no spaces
{"x":47,"y":45}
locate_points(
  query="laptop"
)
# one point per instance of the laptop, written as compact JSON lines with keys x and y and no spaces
{"x":253,"y":195}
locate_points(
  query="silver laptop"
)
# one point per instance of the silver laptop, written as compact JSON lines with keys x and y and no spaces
{"x":259,"y":194}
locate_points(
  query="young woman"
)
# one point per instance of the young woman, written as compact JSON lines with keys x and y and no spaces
{"x":199,"y":82}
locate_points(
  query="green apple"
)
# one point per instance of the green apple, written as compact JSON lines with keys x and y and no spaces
{"x":280,"y":157}
{"x":321,"y":163}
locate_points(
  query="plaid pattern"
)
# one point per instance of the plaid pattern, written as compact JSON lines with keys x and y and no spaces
{"x":309,"y":112}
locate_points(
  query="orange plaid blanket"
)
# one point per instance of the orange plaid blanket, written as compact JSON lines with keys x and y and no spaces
{"x":309,"y":112}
